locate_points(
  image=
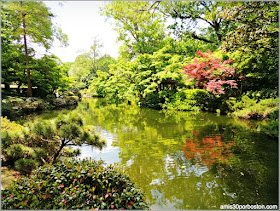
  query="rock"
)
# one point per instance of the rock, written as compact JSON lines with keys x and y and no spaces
{"x":72,"y":100}
{"x":59,"y":102}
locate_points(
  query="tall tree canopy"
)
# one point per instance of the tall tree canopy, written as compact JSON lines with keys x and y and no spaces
{"x":141,"y":30}
{"x":201,"y":20}
{"x":255,"y":42}
{"x":31,"y":22}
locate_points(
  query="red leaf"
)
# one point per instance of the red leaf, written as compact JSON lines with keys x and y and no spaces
{"x":11,"y":196}
{"x":61,"y":186}
{"x":25,"y":201}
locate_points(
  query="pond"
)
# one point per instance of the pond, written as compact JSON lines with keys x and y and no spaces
{"x":184,"y":160}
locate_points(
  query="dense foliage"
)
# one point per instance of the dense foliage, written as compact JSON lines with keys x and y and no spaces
{"x":163,"y":52}
{"x":74,"y":184}
{"x":28,"y":22}
{"x":242,"y":35}
{"x":211,"y":73}
{"x":254,"y":43}
{"x":45,"y":141}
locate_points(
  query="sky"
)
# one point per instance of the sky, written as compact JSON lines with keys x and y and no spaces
{"x":81,"y":21}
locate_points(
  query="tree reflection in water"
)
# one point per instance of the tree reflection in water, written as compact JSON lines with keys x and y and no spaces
{"x":207,"y":150}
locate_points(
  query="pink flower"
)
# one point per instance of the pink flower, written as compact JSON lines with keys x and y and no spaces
{"x":64,"y":201}
{"x":61,"y":186}
{"x":11,"y":196}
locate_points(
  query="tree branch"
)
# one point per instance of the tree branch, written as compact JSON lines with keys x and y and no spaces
{"x":193,"y":35}
{"x":145,"y":10}
{"x":211,"y":24}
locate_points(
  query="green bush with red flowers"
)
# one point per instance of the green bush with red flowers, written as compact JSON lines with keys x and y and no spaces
{"x":74,"y":184}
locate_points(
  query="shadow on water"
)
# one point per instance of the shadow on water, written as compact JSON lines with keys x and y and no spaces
{"x":186,"y":160}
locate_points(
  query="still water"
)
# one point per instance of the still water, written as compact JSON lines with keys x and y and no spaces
{"x":184,"y":160}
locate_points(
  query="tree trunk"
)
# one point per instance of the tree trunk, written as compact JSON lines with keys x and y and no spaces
{"x":18,"y":87}
{"x":29,"y":89}
{"x":6,"y":86}
{"x":57,"y":153}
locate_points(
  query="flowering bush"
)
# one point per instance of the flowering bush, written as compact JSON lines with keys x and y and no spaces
{"x":211,"y":73}
{"x":73,"y":184}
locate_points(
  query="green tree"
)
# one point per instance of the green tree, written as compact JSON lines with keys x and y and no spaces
{"x":85,"y":66}
{"x":104,"y":62}
{"x":142,"y":31}
{"x":149,"y":79}
{"x":48,"y":75}
{"x":95,"y":50}
{"x":31,"y":20}
{"x":65,"y":131}
{"x":200,"y":20}
{"x":12,"y":56}
{"x":255,"y":42}
{"x":80,"y":70}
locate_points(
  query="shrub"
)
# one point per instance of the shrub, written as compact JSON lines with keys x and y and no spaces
{"x":40,"y":154}
{"x":70,"y":152}
{"x":262,"y":94}
{"x":6,"y":108}
{"x":7,"y":125}
{"x":17,"y":151}
{"x":251,"y":109}
{"x":25,"y":165}
{"x":79,"y":95}
{"x":50,"y":97}
{"x":212,"y":73}
{"x":9,"y":132}
{"x":189,"y":100}
{"x":69,"y":94}
{"x":72,"y":184}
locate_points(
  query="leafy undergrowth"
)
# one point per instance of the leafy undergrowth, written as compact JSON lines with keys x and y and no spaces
{"x":72,"y":184}
{"x":251,"y":109}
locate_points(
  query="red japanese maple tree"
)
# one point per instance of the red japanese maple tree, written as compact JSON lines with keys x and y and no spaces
{"x":211,"y":73}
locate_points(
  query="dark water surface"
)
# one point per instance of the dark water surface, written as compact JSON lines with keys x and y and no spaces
{"x":185,"y":160}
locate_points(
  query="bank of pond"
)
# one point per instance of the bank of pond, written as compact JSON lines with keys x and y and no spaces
{"x":162,"y":160}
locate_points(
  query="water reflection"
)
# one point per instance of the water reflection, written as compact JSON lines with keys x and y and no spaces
{"x":186,"y":160}
{"x":207,"y":150}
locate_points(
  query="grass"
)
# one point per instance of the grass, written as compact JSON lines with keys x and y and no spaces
{"x":8,"y":175}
